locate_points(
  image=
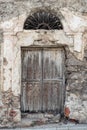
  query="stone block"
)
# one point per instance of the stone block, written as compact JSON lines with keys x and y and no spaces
{"x":78,"y":42}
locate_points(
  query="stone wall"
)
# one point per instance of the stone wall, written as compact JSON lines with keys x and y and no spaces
{"x":76,"y":87}
{"x":73,"y":15}
{"x":12,"y":8}
{"x":1,"y":40}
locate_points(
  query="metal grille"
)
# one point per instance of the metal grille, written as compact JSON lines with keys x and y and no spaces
{"x":43,"y":20}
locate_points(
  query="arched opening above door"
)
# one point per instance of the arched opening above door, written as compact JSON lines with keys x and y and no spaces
{"x":43,"y":20}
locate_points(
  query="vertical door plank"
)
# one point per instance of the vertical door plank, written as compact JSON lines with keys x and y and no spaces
{"x":34,"y":65}
{"x":52,"y":73}
{"x":52,"y":63}
{"x":32,"y":69}
{"x":33,"y":96}
{"x":24,"y":65}
{"x":24,"y":106}
{"x":47,"y":96}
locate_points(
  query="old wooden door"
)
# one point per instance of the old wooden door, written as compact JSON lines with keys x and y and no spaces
{"x":42,"y":79}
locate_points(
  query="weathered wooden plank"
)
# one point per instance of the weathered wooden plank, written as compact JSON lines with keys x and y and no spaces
{"x":24,"y":104}
{"x":34,"y":96}
{"x":52,"y":63}
{"x":56,"y":96}
{"x":24,"y":65}
{"x":34,"y":65}
{"x":45,"y":96}
{"x":31,"y":64}
{"x":31,"y":71}
{"x":52,"y":68}
{"x":31,"y":97}
{"x":52,"y":96}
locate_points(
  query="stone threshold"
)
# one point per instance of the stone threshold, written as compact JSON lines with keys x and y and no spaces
{"x":53,"y":127}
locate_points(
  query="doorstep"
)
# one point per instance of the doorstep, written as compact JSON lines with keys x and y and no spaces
{"x":53,"y":127}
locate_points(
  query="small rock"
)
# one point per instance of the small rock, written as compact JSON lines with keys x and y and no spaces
{"x":48,"y":115}
{"x":56,"y":118}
